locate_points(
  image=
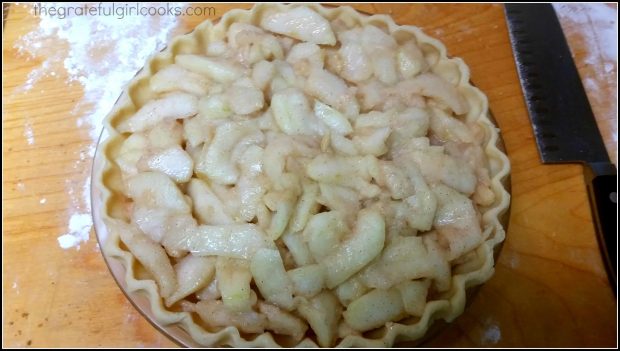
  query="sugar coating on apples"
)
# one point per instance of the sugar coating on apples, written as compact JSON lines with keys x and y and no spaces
{"x":302,"y":173}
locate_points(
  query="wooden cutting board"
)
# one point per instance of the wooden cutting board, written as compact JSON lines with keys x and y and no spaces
{"x":549,"y":288}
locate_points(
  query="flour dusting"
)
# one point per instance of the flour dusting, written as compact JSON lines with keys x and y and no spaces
{"x":15,"y":286}
{"x":28,"y":133}
{"x":79,"y":230}
{"x":601,"y":30}
{"x":100,"y":54}
{"x":514,"y":260}
{"x":492,"y":335}
{"x":597,"y":26}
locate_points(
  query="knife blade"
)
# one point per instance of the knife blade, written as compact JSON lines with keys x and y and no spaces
{"x":562,"y":120}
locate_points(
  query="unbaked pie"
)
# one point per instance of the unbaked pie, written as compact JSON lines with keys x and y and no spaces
{"x":301,"y":175}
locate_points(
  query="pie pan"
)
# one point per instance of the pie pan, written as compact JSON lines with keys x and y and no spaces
{"x":179,"y":325}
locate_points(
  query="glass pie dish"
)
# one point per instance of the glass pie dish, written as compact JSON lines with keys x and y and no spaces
{"x":470,"y":269}
{"x":177,"y":334}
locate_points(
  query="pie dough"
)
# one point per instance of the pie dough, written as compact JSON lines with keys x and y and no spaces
{"x":471,"y":262}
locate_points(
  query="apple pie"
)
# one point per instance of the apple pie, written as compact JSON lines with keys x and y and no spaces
{"x":297,"y":175}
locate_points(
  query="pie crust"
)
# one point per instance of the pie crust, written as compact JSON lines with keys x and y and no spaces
{"x":479,"y":265}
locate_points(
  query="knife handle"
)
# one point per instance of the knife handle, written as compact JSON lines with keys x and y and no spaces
{"x":602,"y":180}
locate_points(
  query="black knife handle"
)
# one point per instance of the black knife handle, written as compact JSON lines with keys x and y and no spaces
{"x":602,"y":182}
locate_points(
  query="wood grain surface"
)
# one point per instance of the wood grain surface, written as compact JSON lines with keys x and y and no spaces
{"x":549,"y":289}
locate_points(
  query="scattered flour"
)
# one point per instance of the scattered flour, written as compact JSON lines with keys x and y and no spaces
{"x":79,"y":229}
{"x":101,"y":54}
{"x":514,"y":260}
{"x":43,"y":201}
{"x":15,"y":286}
{"x":601,"y":27}
{"x":597,"y":26}
{"x":492,"y":335}
{"x":28,"y":133}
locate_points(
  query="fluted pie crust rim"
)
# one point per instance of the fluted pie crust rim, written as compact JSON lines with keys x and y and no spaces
{"x":448,"y":306}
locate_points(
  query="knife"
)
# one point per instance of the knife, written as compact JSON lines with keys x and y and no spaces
{"x":561,"y":116}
